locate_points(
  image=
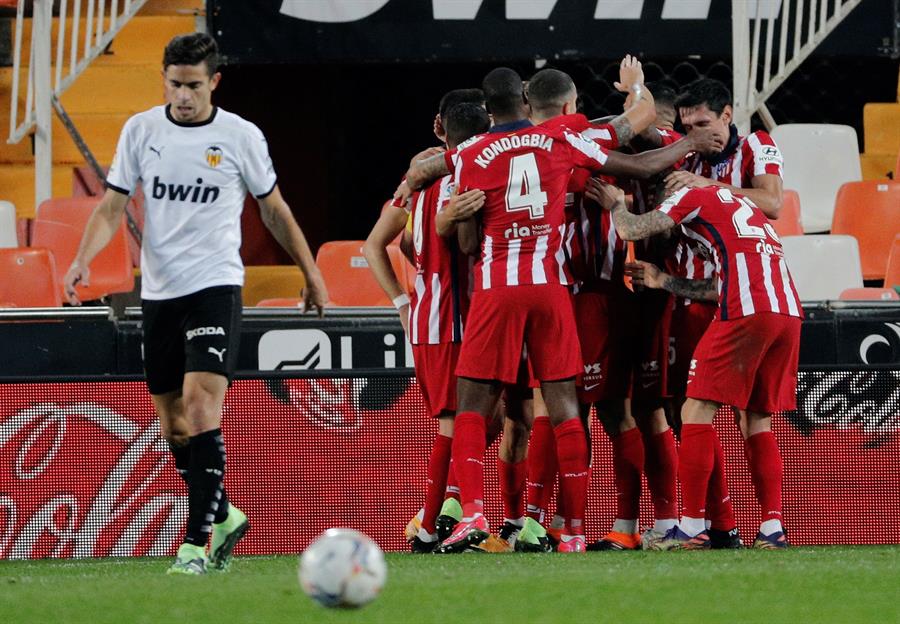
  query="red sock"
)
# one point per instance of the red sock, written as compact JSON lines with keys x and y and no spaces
{"x":468,"y":459}
{"x":695,"y":464}
{"x":452,"y":484}
{"x":438,"y":467}
{"x":661,"y":468}
{"x":766,"y":469}
{"x":571,"y":452}
{"x":719,"y":510}
{"x":512,"y":487}
{"x":541,"y":467}
{"x":628,"y":464}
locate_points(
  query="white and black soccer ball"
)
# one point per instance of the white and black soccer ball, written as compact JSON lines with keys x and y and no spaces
{"x":342,"y":568}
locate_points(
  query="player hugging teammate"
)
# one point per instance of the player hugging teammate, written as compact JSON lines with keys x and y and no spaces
{"x":539,"y":202}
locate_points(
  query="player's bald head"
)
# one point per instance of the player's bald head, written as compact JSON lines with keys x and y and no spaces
{"x":503,"y":92}
{"x":549,"y":91}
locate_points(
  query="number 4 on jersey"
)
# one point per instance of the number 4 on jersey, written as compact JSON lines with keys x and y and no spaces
{"x":524,"y":189}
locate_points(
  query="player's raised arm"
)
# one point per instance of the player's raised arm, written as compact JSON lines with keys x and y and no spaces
{"x":426,"y":168}
{"x":391,"y":223}
{"x":640,"y":109}
{"x":277,"y":217}
{"x":646,"y":164}
{"x":629,"y":226}
{"x":100,"y":228}
{"x":767,"y":190}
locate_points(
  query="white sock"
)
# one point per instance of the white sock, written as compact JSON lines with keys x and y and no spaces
{"x":558,"y":522}
{"x":519,"y":522}
{"x":421,"y":514}
{"x":692,"y":526}
{"x":663,"y":526}
{"x":425,"y":536}
{"x":628,"y":527}
{"x":770,"y":526}
{"x":707,"y":524}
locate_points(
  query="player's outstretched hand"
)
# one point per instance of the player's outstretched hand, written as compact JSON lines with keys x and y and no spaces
{"x":604,"y":194}
{"x":77,"y":274}
{"x":315,"y":294}
{"x":678,"y":180}
{"x":644,"y":274}
{"x":463,"y":205}
{"x":630,"y":73}
{"x":402,"y":194}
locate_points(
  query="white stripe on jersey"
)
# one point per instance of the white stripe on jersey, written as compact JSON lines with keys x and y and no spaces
{"x":512,"y":262}
{"x":788,"y":292}
{"x":597,"y":133}
{"x":538,"y":275}
{"x":434,"y":318}
{"x":486,"y":265}
{"x":744,"y":285}
{"x":560,"y":254}
{"x":606,"y":271}
{"x":414,"y":320}
{"x":736,"y":165}
{"x":767,"y":281}
{"x":586,"y":147}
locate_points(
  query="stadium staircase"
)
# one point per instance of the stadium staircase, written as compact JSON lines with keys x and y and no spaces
{"x":116,"y":85}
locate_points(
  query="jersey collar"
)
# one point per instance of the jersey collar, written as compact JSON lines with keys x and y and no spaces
{"x":728,"y":152}
{"x":511,"y":126}
{"x":191,"y":124}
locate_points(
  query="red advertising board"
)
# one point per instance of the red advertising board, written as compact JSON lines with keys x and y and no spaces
{"x":83,"y":472}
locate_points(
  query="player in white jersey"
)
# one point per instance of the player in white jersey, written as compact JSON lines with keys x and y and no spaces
{"x":195,"y":163}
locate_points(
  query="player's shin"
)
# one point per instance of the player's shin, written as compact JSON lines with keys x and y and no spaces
{"x":438,"y":468}
{"x":694,"y":469}
{"x":571,"y":451}
{"x":207,"y":471}
{"x":541,"y":467}
{"x":468,"y":461}
{"x":766,"y":469}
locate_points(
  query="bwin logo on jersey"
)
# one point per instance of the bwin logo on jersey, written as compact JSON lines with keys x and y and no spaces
{"x":185,"y":192}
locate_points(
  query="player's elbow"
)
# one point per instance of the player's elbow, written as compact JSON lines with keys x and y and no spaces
{"x":773,"y":206}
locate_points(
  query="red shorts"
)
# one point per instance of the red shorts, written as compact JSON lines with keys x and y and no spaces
{"x":502,"y":319}
{"x":605,"y":322}
{"x":651,"y":366}
{"x":689,"y":323}
{"x":435,"y":364}
{"x":750,"y":363}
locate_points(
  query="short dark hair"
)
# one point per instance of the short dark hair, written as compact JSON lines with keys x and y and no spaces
{"x":503,"y":91}
{"x":663,"y":94}
{"x":464,"y":121}
{"x":548,"y":89}
{"x":707,"y":91}
{"x":192,"y":49}
{"x":460,"y":96}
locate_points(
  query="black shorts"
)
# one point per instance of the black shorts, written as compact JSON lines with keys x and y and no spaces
{"x":196,"y":332}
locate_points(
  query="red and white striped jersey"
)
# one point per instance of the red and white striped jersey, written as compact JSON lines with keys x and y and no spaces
{"x":644,"y":194}
{"x":440,"y":298}
{"x":750,"y":156}
{"x":752,"y":274}
{"x":524,"y":172}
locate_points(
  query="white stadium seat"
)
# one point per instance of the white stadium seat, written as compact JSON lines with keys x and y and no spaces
{"x":7,"y":225}
{"x":823,"y":265}
{"x":818,"y":159}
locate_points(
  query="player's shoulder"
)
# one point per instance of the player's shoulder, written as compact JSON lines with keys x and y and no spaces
{"x":145,"y":120}
{"x":235,"y":123}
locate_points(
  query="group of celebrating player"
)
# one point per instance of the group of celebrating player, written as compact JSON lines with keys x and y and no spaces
{"x":518,"y":229}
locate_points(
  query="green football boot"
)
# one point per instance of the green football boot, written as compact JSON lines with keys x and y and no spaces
{"x":225,"y":537}
{"x":190,"y":560}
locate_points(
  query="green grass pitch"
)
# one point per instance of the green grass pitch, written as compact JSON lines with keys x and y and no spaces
{"x":834,"y":584}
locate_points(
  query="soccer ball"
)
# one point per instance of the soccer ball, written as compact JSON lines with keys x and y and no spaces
{"x":342,"y":568}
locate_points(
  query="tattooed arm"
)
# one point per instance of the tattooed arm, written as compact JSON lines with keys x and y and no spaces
{"x":639,"y":115}
{"x":421,"y":172}
{"x":629,"y":226}
{"x":648,"y":275}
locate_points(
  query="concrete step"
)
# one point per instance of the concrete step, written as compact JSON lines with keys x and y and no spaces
{"x":17,"y":186}
{"x":99,"y":130}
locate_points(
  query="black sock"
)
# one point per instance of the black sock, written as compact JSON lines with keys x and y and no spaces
{"x":182,"y":455}
{"x":207,"y":470}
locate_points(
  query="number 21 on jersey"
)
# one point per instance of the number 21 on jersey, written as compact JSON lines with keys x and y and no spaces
{"x":523,"y":192}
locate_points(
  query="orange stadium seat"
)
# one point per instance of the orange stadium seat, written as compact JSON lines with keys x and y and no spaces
{"x":870,"y":294}
{"x":28,"y":278}
{"x":788,"y":223}
{"x":111,"y":270}
{"x":870,"y":211}
{"x":892,"y":273}
{"x":348,"y":277}
{"x":279,"y":302}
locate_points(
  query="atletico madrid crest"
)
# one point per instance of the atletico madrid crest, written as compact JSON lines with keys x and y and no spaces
{"x":214,"y":155}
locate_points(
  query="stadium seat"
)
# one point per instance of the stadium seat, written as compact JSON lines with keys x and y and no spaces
{"x":348,"y":277}
{"x":818,"y":158}
{"x":870,"y":294}
{"x":789,"y":223}
{"x":8,"y":237}
{"x":892,"y":272}
{"x":823,"y":266}
{"x":271,"y":281}
{"x":28,"y":278}
{"x":111,"y":270}
{"x":881,"y":127}
{"x":870,"y":211}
